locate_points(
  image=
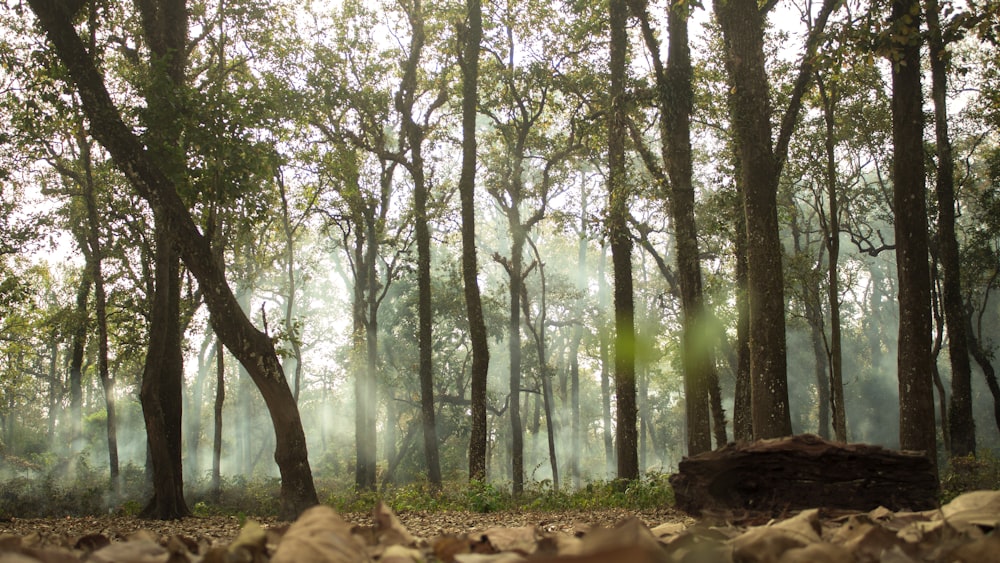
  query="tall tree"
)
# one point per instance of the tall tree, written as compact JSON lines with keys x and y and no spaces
{"x":760,"y":162}
{"x":415,"y":134}
{"x":916,"y":397}
{"x":469,"y":63}
{"x":831,"y":227}
{"x":252,"y":347}
{"x":675,"y":99}
{"x":962,"y":428}
{"x":165,"y":29}
{"x":626,"y":431}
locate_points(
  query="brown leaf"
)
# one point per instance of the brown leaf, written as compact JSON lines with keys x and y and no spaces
{"x":627,"y":535}
{"x":979,"y":508}
{"x":984,"y":550}
{"x":446,"y":547}
{"x":522,"y":540}
{"x":320,"y":535}
{"x":250,"y":546}
{"x":766,"y":544}
{"x":388,"y":528}
{"x":401,"y":554}
{"x":135,"y":551}
{"x":820,"y":552}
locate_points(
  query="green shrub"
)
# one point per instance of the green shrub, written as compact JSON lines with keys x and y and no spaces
{"x":964,"y":474}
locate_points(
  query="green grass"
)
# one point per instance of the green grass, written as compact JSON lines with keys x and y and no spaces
{"x":54,"y":494}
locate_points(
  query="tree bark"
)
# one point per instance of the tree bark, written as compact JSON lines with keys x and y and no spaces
{"x":161,"y":391}
{"x":415,"y":134}
{"x":743,"y":30}
{"x":94,"y":254}
{"x":962,"y":427}
{"x":514,"y":349}
{"x":832,"y":236}
{"x":626,"y":438}
{"x":470,"y":269}
{"x":605,"y":356}
{"x":742,"y":402}
{"x":165,"y":29}
{"x":220,"y":400}
{"x":916,"y":401}
{"x":77,"y":350}
{"x":253,"y":348}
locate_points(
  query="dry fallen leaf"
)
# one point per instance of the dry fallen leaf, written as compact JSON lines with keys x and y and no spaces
{"x":522,"y":540}
{"x":134,"y":551}
{"x":388,"y":528}
{"x":320,"y":535}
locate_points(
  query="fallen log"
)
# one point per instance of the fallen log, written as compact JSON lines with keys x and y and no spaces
{"x":801,"y":472}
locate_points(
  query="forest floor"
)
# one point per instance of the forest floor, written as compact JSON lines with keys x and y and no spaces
{"x":964,"y":530}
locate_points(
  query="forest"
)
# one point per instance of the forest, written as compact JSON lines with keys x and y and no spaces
{"x":516,"y":242}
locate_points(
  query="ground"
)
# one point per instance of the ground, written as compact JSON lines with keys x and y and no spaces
{"x":963,"y":530}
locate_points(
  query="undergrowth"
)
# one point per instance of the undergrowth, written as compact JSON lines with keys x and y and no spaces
{"x":964,"y":474}
{"x":54,"y":494}
{"x":84,"y":490}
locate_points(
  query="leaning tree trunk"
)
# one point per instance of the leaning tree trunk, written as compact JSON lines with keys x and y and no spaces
{"x":253,"y":348}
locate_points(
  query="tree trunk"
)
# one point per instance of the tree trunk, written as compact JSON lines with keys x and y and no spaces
{"x":253,"y":348}
{"x":295,"y":359}
{"x":192,"y":420}
{"x":675,"y":98}
{"x":165,"y":29}
{"x":832,"y":236}
{"x":989,"y":372}
{"x":742,"y":420}
{"x":470,"y":269}
{"x":220,"y":400}
{"x":538,"y":332}
{"x":161,"y":392}
{"x":514,"y":349}
{"x":626,"y":439}
{"x":962,"y":425}
{"x":605,"y":356}
{"x":77,"y":351}
{"x":916,"y":402}
{"x":94,"y":254}
{"x":415,"y":134}
{"x":364,"y":445}
{"x":575,"y":342}
{"x":743,"y":30}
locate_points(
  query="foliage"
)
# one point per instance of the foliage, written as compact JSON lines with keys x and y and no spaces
{"x":970,"y":473}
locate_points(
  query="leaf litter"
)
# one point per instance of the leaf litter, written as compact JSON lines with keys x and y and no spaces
{"x":964,"y":530}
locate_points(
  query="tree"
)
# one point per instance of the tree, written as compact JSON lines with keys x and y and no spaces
{"x":761,"y":160}
{"x":916,"y":402}
{"x":415,"y":133}
{"x":165,"y":27}
{"x":675,"y":101}
{"x":471,"y":33}
{"x":962,"y":429}
{"x":252,"y":347}
{"x":626,"y":437}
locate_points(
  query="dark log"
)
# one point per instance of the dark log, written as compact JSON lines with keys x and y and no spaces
{"x":801,"y":472}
